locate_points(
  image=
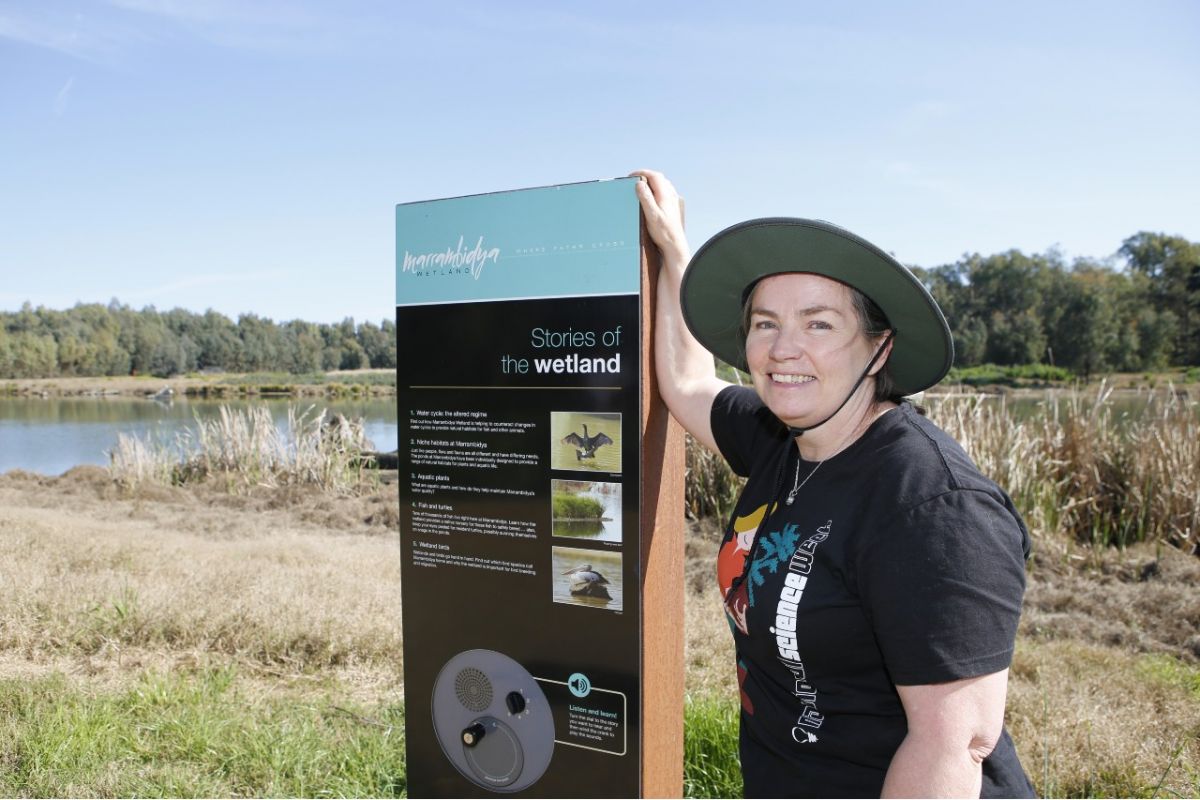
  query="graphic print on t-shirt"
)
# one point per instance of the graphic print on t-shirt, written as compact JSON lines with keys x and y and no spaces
{"x":731,"y":563}
{"x":799,"y":561}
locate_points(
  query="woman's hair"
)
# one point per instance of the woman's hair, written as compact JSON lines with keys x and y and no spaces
{"x":875,"y":326}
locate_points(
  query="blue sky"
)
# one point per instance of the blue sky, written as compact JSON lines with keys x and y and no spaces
{"x":247,"y":156}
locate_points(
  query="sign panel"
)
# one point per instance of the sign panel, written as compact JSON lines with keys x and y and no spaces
{"x":518,"y":343}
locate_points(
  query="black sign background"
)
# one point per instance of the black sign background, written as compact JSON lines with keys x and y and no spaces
{"x":450,"y":363}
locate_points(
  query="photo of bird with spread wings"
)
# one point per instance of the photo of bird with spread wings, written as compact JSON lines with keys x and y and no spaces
{"x":586,"y":446}
{"x":587,"y":441}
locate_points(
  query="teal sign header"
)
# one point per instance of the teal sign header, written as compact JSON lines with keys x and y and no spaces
{"x":573,"y":240}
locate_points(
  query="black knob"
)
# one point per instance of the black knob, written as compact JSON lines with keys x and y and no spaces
{"x":472,"y":734}
{"x":515,"y":702}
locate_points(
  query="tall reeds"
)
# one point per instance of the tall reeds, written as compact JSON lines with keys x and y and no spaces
{"x":248,"y":448}
{"x":1076,"y":466}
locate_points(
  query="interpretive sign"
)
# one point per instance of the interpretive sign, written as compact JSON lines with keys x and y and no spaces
{"x":523,"y":424}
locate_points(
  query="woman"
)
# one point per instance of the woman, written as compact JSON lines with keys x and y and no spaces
{"x":871,"y":575}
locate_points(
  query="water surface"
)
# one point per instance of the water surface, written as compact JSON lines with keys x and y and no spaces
{"x":52,"y":435}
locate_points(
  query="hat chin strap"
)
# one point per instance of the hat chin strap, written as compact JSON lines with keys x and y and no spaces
{"x":801,"y":431}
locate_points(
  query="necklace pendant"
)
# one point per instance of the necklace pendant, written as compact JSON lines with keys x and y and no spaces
{"x":788,"y":502}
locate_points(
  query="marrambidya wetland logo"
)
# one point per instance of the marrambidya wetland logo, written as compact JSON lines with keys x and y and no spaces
{"x":451,"y":261}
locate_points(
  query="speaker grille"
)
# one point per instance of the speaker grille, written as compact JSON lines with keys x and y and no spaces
{"x":473,"y":689}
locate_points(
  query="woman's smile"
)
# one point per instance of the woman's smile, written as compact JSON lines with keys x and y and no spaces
{"x":795,"y":380}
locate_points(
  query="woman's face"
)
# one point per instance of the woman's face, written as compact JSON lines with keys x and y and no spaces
{"x":804,"y":346}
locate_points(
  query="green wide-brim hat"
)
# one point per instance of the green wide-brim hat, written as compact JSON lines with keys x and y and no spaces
{"x":723,"y":272}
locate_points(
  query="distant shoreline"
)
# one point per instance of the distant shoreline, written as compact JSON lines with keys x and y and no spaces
{"x":363,"y":382}
{"x":382,"y":383}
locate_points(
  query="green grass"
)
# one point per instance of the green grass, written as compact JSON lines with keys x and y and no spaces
{"x":334,"y":383}
{"x":202,"y":733}
{"x":1171,"y":671}
{"x":193,"y":735}
{"x":1017,"y":375}
{"x":572,"y":506}
{"x":382,"y":378}
{"x":205,"y":732}
{"x":275,"y":379}
{"x":710,"y":749}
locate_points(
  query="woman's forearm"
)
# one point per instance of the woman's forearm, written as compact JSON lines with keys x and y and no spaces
{"x":687,"y":377}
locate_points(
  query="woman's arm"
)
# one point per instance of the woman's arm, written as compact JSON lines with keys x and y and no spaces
{"x":687,"y":377}
{"x":952,"y":727}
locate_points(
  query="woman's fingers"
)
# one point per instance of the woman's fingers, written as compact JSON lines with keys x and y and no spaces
{"x":661,"y":206}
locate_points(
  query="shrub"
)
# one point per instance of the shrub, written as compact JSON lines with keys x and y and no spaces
{"x":246,"y":448}
{"x":573,"y":506}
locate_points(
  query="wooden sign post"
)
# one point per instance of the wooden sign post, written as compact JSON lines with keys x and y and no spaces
{"x":541,"y":499}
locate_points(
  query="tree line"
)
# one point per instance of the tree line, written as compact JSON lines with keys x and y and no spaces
{"x":98,"y":340}
{"x":1137,"y":311}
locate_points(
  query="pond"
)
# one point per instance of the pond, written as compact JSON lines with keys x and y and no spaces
{"x":604,"y":525}
{"x":49,"y":436}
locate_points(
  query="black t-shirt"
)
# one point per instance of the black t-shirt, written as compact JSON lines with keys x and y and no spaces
{"x":897,"y":563}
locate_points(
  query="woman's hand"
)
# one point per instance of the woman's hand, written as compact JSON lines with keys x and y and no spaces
{"x":663,"y":210}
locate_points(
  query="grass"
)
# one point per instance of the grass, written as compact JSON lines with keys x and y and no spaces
{"x":1081,"y":469}
{"x":243,"y":448}
{"x":573,"y":506}
{"x":167,"y":637}
{"x":1072,"y":709}
{"x":1077,"y":468}
{"x":208,"y":733}
{"x":1022,"y":375}
{"x":361,"y":378}
{"x":277,"y":587}
{"x":1088,"y":720}
{"x":194,"y":734}
{"x":710,"y":746}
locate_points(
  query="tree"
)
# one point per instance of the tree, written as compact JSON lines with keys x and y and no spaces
{"x":218,"y":340}
{"x":1087,"y":334}
{"x":260,"y":343}
{"x":379,"y":344}
{"x":33,"y":355}
{"x":1157,"y":332}
{"x":1015,"y":338}
{"x":1172,"y":263}
{"x":303,"y":346}
{"x":970,"y":341}
{"x":5,"y":354}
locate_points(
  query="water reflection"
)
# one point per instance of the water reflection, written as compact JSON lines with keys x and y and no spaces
{"x":52,"y":435}
{"x":586,"y":509}
{"x":585,"y":529}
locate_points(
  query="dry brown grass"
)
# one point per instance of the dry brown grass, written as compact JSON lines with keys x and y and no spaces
{"x":103,"y":582}
{"x":242,"y":449}
{"x":1089,"y":718}
{"x":1082,"y":469}
{"x":1077,"y":468}
{"x":708,"y":644}
{"x":299,"y":588}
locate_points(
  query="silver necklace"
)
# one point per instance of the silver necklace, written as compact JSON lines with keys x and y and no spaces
{"x":797,"y":484}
